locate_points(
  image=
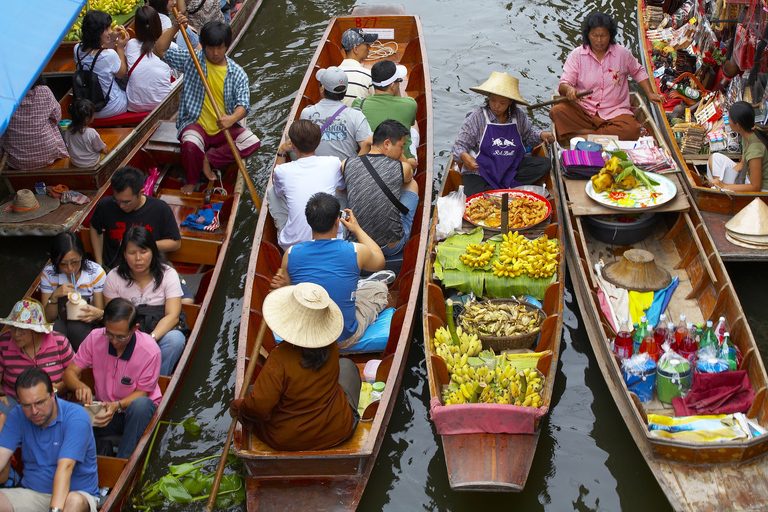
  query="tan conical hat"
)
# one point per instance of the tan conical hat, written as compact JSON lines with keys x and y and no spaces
{"x":303,"y":315}
{"x":748,"y":241}
{"x":637,"y":271}
{"x":501,"y":84}
{"x":752,"y":220}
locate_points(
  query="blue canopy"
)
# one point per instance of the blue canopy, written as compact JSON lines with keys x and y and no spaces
{"x":29,"y":34}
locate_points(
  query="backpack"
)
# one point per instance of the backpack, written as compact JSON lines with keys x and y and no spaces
{"x":85,"y":84}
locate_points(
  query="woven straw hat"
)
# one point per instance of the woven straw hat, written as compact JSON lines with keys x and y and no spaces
{"x":28,"y":314}
{"x":501,"y":84}
{"x":751,"y":220}
{"x":27,"y":206}
{"x":303,"y":315}
{"x":637,"y":271}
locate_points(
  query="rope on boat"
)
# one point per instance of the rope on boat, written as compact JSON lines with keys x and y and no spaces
{"x":379,"y":50}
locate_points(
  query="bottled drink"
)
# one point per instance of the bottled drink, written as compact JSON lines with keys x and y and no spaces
{"x":670,"y":339}
{"x":682,"y":330}
{"x":720,"y":330}
{"x":640,"y":333}
{"x":727,"y":123}
{"x":688,"y":92}
{"x":688,"y":345}
{"x":727,"y":352}
{"x":623,"y":344}
{"x":708,"y":338}
{"x":661,"y":330}
{"x":649,"y":346}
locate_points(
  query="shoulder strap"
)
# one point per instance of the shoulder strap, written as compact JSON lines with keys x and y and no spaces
{"x":395,"y":201}
{"x":193,"y":11}
{"x":361,"y":104}
{"x":134,"y":66}
{"x":328,"y":121}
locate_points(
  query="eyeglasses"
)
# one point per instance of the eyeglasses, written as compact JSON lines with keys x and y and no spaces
{"x":123,"y":203}
{"x":120,"y":338}
{"x":398,"y":80}
{"x":37,"y":405}
{"x":70,"y":264}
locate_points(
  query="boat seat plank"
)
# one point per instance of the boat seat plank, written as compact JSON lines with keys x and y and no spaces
{"x":257,"y":448}
{"x":109,"y":470}
{"x":197,"y":251}
{"x":111,"y":137}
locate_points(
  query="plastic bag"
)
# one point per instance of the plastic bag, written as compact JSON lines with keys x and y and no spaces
{"x":709,"y":362}
{"x":674,"y":375}
{"x":450,"y":210}
{"x":639,"y":372}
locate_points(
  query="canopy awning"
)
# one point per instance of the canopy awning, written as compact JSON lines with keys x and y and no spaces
{"x":29,"y":34}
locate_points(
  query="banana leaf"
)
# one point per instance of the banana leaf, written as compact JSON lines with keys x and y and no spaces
{"x":502,"y":287}
{"x":449,"y":252}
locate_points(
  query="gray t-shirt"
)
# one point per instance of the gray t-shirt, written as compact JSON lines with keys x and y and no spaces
{"x":342,"y":137}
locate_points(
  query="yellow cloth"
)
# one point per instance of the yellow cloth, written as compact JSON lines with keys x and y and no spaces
{"x":207,"y":117}
{"x":638,"y":303}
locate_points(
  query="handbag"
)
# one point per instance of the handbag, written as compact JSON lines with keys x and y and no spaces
{"x":123,"y":82}
{"x":149,"y":316}
{"x":745,"y":40}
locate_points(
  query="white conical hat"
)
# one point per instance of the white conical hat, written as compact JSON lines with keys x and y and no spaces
{"x":752,"y":220}
{"x":747,"y":242}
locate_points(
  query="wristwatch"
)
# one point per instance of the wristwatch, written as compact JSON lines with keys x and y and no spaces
{"x":119,"y":406}
{"x":55,"y":509}
{"x":154,"y":337}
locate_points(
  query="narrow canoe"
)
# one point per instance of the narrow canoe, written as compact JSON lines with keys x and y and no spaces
{"x":727,"y":475}
{"x":716,"y":207}
{"x":484,"y":461}
{"x":121,"y":142}
{"x":334,"y":479}
{"x":199,"y":261}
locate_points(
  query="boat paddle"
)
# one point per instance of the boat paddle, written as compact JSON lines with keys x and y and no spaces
{"x":235,"y":152}
{"x":559,"y":99}
{"x":243,"y":391}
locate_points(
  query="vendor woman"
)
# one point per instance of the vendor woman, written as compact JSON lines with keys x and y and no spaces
{"x":752,"y":177}
{"x":602,"y":66}
{"x":497,"y":133}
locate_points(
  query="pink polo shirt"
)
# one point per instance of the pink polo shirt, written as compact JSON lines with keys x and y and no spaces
{"x":608,"y":79}
{"x":117,"y":377}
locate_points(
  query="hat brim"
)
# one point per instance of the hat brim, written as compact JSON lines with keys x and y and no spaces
{"x":370,"y":38}
{"x":302,"y":326}
{"x":43,"y":329}
{"x":47,"y":205}
{"x":506,"y":94}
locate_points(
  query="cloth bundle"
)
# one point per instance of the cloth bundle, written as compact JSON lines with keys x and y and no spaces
{"x":581,"y":164}
{"x":716,"y":393}
{"x":207,"y":218}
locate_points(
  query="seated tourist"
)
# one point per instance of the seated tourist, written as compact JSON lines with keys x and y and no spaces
{"x":72,"y":271}
{"x":29,"y":342}
{"x":335,"y":265}
{"x":384,"y":208}
{"x":83,"y":142}
{"x":143,"y":278}
{"x":32,"y":138}
{"x":305,"y":397}
{"x":293,"y":183}
{"x":356,"y":45}
{"x":58,"y":451}
{"x":126,"y":368}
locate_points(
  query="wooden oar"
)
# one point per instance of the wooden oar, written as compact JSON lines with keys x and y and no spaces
{"x":235,"y":152}
{"x":558,"y":100}
{"x":243,"y":391}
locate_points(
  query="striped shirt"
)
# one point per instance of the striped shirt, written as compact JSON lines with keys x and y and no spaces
{"x":359,"y":81}
{"x":54,"y":356}
{"x":91,"y":280}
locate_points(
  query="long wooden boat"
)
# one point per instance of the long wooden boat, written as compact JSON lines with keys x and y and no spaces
{"x":334,"y":479}
{"x":121,"y":142}
{"x":727,"y":475}
{"x":485,"y":461}
{"x":716,"y":206}
{"x":199,"y":261}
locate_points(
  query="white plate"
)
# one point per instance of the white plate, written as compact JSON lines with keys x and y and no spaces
{"x":639,"y":198}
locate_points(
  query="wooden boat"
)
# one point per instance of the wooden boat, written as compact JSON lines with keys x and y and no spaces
{"x":484,"y":461}
{"x":121,"y":141}
{"x":716,"y":206}
{"x":334,"y":479}
{"x":727,"y":475}
{"x":199,"y":261}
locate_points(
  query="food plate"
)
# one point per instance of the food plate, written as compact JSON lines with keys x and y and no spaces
{"x":513,"y":194}
{"x":637,"y":199}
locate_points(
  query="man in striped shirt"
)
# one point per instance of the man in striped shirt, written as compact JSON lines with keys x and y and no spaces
{"x":356,"y":44}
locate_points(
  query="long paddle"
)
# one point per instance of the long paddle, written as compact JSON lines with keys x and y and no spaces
{"x":558,"y":100}
{"x":243,"y":391}
{"x":235,"y":152}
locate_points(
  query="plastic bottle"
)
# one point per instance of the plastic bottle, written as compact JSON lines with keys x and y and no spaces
{"x":378,"y":389}
{"x":727,"y":125}
{"x":650,"y":347}
{"x":688,"y":346}
{"x":688,"y":92}
{"x":682,"y":330}
{"x":670,"y":339}
{"x":720,"y":330}
{"x":708,"y":338}
{"x":727,"y":352}
{"x":660,"y":331}
{"x":623,"y":344}
{"x":640,"y":333}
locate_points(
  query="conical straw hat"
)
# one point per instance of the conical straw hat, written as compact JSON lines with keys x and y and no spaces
{"x":637,"y":271}
{"x":501,"y":84}
{"x":744,"y":241}
{"x":303,"y":315}
{"x":752,"y":220}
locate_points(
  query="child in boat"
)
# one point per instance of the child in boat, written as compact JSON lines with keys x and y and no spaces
{"x":84,"y":143}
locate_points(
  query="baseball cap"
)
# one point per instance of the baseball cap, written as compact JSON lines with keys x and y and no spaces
{"x":384,"y":68}
{"x":333,"y":79}
{"x":355,"y":36}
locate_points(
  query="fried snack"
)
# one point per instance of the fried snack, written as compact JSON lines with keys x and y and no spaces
{"x":523,"y":212}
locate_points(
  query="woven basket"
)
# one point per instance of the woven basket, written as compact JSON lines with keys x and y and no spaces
{"x":509,"y":342}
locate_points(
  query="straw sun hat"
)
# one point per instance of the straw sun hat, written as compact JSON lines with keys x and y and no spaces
{"x":28,"y":314}
{"x":27,"y":206}
{"x":303,"y":315}
{"x":501,"y":84}
{"x":636,"y":270}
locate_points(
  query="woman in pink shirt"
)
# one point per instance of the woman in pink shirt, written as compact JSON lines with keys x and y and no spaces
{"x":602,"y":66}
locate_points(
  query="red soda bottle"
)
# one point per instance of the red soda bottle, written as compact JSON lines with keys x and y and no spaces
{"x":681,"y":331}
{"x":623,"y":345}
{"x":720,"y":330}
{"x":688,"y":346}
{"x":660,"y":331}
{"x":650,"y":347}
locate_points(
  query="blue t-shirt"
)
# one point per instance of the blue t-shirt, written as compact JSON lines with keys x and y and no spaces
{"x":69,"y":436}
{"x":333,"y":265}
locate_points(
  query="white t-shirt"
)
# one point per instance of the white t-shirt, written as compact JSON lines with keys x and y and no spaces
{"x":165,"y":23}
{"x":297,"y":182}
{"x":84,"y":148}
{"x":106,"y":66}
{"x":150,"y":81}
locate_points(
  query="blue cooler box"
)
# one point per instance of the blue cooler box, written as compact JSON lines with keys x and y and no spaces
{"x":641,"y":380}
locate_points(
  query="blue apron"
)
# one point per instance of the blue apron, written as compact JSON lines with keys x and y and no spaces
{"x":501,"y":150}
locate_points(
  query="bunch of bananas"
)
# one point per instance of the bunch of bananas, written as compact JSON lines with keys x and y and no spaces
{"x":518,"y":255}
{"x":503,"y":385}
{"x":525,"y":387}
{"x":468,"y":344}
{"x":113,"y":7}
{"x":478,"y":255}
{"x":75,"y":33}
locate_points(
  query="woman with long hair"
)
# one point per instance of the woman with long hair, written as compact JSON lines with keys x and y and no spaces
{"x":143,"y":278}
